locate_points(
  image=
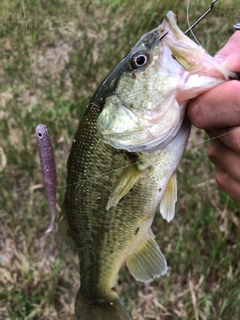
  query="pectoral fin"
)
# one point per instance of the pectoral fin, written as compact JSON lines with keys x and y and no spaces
{"x":147,"y":262}
{"x":125,"y":182}
{"x":169,"y":198}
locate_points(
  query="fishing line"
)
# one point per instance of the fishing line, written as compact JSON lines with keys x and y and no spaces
{"x":32,"y":68}
{"x":195,"y":23}
{"x":137,"y":162}
{"x":200,"y":19}
{"x":30,"y":56}
{"x":100,"y":175}
{"x":45,"y":149}
{"x":219,"y":136}
{"x":189,"y":25}
{"x":140,"y":161}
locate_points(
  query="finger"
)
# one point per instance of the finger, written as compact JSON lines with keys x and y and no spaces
{"x":200,"y":113}
{"x":227,"y":184}
{"x":226,"y":163}
{"x":230,"y":46}
{"x":225,"y":159}
{"x":212,"y":109}
{"x":229,"y":55}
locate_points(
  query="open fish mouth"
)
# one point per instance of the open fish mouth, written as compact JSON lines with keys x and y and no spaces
{"x":145,"y":109}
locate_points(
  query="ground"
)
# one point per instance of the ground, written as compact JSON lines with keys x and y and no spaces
{"x":73,"y":46}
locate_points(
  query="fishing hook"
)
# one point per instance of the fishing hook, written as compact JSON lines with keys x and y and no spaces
{"x":196,"y":22}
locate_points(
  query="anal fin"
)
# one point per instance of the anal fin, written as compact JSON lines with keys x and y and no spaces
{"x":169,"y":198}
{"x":147,"y":262}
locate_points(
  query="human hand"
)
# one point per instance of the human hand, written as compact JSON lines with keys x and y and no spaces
{"x":218,"y":113}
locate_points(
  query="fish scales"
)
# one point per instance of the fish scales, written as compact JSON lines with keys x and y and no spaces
{"x":106,"y":238}
{"x":123,"y":161}
{"x":104,"y":232}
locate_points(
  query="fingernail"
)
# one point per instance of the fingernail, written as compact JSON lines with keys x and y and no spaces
{"x":219,"y":58}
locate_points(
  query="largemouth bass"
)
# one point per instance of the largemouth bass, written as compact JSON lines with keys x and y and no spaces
{"x":123,"y":161}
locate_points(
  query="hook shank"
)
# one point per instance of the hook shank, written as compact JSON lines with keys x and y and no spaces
{"x":196,"y":22}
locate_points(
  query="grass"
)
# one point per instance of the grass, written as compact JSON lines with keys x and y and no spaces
{"x":74,"y":45}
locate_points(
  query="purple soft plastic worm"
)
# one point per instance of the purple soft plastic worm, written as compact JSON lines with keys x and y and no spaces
{"x":48,"y":166}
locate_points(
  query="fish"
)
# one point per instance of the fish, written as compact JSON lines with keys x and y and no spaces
{"x":122,"y":165}
{"x":48,"y":166}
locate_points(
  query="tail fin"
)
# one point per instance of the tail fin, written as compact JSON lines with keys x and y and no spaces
{"x":87,"y":310}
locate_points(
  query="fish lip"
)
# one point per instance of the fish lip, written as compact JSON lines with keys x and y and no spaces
{"x":163,"y":35}
{"x":164,"y":29}
{"x":167,"y":25}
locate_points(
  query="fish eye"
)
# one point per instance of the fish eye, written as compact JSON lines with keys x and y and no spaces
{"x":39,"y":134}
{"x":139,"y":59}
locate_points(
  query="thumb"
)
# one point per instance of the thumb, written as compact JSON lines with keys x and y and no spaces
{"x":229,"y":55}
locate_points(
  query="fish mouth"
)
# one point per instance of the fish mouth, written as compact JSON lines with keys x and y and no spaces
{"x":168,"y":24}
{"x":164,"y":33}
{"x":169,"y":29}
{"x":164,"y":29}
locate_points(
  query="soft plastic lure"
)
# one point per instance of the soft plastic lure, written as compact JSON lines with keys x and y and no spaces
{"x":48,"y":166}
